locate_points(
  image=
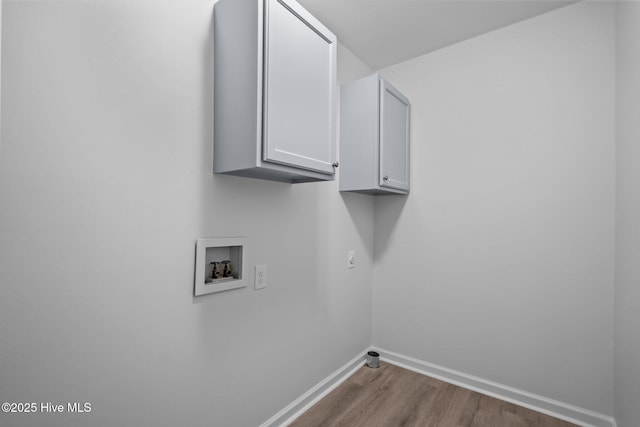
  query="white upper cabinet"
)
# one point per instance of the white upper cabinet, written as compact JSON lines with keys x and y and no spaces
{"x":274,"y":92}
{"x":374,"y":137}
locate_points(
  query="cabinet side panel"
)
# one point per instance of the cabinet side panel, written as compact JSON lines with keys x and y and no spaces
{"x":359,"y":134}
{"x":237,"y":84}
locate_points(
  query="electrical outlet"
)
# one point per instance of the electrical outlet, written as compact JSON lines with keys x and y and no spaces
{"x":351,"y":259}
{"x":260,"y":278}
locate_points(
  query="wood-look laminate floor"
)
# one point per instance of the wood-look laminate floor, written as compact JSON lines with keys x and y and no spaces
{"x":391,"y":396}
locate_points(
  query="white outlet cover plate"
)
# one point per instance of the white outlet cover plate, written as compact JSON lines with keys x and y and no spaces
{"x":351,"y":259}
{"x":260,"y":277}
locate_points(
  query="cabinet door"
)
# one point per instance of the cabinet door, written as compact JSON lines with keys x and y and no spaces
{"x":394,"y":138}
{"x":299,"y":90}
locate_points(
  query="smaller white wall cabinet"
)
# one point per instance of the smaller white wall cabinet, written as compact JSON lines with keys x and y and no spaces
{"x":374,"y":137}
{"x":274,"y":92}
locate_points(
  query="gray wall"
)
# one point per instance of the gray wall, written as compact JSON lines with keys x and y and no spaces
{"x":500,"y":263}
{"x":105,"y":183}
{"x":627,"y":366}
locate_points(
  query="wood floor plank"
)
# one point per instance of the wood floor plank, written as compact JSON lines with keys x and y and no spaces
{"x":391,"y":396}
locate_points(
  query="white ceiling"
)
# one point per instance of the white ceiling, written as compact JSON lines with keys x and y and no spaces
{"x":385,"y":32}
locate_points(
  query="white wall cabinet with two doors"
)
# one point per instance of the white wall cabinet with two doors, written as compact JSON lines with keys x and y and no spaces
{"x":374,"y":137}
{"x":274,"y":92}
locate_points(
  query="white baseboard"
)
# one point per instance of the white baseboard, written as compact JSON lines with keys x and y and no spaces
{"x":573,"y":414}
{"x":296,"y":408}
